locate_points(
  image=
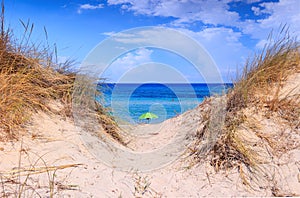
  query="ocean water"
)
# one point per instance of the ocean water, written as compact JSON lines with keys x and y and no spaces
{"x":127,"y":102}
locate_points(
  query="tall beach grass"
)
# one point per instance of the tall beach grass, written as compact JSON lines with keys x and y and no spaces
{"x":32,"y":80}
{"x":256,"y":92}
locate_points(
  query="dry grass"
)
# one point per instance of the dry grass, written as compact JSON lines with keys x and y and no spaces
{"x":31,"y":79}
{"x":142,"y":187}
{"x":89,"y":112}
{"x":279,"y":58}
{"x":242,"y":144}
{"x":108,"y":123}
{"x":28,"y":80}
{"x":34,"y":180}
{"x":258,"y":86}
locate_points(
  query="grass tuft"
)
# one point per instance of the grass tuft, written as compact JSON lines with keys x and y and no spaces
{"x":243,"y":143}
{"x":279,"y":58}
{"x":258,"y":86}
{"x":28,"y":80}
{"x":31,"y":80}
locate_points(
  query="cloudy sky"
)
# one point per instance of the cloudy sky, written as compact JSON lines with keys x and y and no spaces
{"x":229,"y":30}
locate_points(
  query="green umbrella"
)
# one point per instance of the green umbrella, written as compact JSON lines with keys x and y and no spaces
{"x":148,"y":116}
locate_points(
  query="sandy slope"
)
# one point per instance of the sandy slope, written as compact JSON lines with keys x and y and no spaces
{"x":54,"y":141}
{"x":57,"y":142}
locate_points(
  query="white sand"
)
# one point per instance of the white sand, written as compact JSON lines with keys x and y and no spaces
{"x":53,"y":141}
{"x":58,"y":143}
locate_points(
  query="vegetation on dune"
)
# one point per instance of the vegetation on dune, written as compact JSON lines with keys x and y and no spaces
{"x":279,"y":58}
{"x":256,"y":92}
{"x":31,"y":80}
{"x":259,"y":86}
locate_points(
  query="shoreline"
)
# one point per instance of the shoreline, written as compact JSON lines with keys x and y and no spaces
{"x":128,"y":102}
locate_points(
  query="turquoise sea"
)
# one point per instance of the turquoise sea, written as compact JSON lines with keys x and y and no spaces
{"x":128,"y":101}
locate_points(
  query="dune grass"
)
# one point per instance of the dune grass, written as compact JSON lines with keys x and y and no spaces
{"x":256,"y":90}
{"x":32,"y":80}
{"x":279,"y":58}
{"x":29,"y":78}
{"x":259,"y":86}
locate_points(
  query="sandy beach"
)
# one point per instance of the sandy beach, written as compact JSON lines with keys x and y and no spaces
{"x":63,"y":135}
{"x":53,"y":153}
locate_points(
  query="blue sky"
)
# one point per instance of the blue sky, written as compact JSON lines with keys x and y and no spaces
{"x":230,"y":30}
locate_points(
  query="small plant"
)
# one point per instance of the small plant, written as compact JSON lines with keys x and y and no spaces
{"x":142,"y":187}
{"x":24,"y":181}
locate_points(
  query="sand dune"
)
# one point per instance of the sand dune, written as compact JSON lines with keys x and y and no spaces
{"x":245,"y":143}
{"x":55,"y":143}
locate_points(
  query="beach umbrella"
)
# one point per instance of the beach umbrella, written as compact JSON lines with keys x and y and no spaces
{"x":148,"y":116}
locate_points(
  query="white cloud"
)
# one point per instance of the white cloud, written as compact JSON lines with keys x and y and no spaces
{"x":256,"y":10}
{"x":224,"y":46}
{"x":261,"y":44}
{"x":219,"y":39}
{"x":222,"y":43}
{"x":108,"y":33}
{"x":127,"y":62}
{"x":286,"y":11}
{"x":253,"y":1}
{"x":134,"y":58}
{"x":216,"y":13}
{"x":154,"y":72}
{"x":184,"y":11}
{"x":89,"y":7}
{"x":280,"y":13}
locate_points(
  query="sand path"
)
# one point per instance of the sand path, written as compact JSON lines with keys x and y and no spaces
{"x":56,"y":142}
{"x":53,"y":141}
